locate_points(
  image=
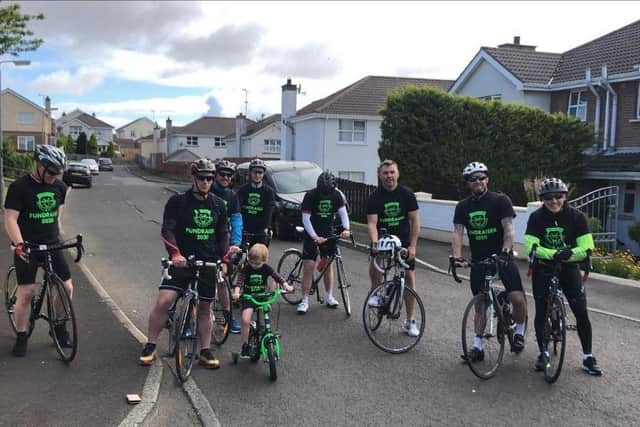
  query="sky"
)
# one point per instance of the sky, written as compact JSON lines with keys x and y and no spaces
{"x":125,"y":60}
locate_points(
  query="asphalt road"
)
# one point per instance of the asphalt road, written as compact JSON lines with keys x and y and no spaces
{"x":330,"y":373}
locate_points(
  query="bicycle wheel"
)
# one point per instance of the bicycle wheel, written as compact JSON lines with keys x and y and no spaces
{"x":186,"y":337}
{"x":62,"y":319}
{"x":344,"y":284}
{"x":290,"y":268}
{"x":480,"y":311}
{"x":221,"y":315}
{"x":170,"y":326}
{"x":10,"y":289}
{"x":388,"y":330}
{"x":254,"y":343}
{"x":555,"y":336}
{"x":271,"y":356}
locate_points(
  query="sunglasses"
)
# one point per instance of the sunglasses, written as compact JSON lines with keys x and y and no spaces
{"x":225,"y":174}
{"x":53,"y":172}
{"x":476,"y":178}
{"x":257,"y":171}
{"x":204,"y":178}
{"x":556,"y":196}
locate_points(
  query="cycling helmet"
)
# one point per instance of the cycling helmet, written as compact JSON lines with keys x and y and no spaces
{"x":202,"y":165}
{"x":222,"y":164}
{"x":257,"y":163}
{"x":51,"y":157}
{"x":474,"y":167}
{"x":388,"y":244}
{"x":326,"y":182}
{"x":552,"y":185}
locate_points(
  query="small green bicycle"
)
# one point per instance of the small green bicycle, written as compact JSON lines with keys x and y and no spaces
{"x":262,"y":340}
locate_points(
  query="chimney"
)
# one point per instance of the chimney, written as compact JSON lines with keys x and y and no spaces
{"x":288,"y":110}
{"x":516,"y":40}
{"x":47,"y":106}
{"x":167,"y":133}
{"x":516,"y":45}
{"x":93,"y":114}
{"x":241,"y":129}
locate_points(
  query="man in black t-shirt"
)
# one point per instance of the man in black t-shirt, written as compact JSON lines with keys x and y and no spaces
{"x":257,"y":201}
{"x":194,"y":223}
{"x":319,"y":208}
{"x":488,"y":218}
{"x":394,"y":207}
{"x":32,"y":213}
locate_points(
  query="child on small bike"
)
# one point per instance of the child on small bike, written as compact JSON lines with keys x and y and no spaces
{"x":254,"y":279}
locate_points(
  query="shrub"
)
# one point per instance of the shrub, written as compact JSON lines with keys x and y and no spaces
{"x":634,"y":232}
{"x":620,"y":264}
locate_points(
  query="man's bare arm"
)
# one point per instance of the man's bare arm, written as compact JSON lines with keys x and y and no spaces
{"x":509,"y":234}
{"x":456,"y":241}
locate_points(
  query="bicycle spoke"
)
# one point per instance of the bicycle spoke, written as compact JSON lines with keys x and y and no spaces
{"x":62,"y":321}
{"x":221,"y":310}
{"x":10,"y":289}
{"x":186,"y":338}
{"x":290,"y":268}
{"x":480,"y":320}
{"x":555,"y":337}
{"x":344,"y":284}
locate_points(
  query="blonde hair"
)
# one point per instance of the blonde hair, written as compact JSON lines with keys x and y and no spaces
{"x":258,"y":253}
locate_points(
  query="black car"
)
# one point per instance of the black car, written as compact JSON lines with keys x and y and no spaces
{"x":77,"y":173}
{"x":105,"y":164}
{"x":291,"y":180}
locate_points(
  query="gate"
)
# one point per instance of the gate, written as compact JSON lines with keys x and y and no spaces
{"x":600,"y":206}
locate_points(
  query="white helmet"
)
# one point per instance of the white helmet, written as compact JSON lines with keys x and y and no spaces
{"x":388,"y":244}
{"x":474,"y":167}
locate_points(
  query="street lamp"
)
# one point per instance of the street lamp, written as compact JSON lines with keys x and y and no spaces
{"x":19,"y":63}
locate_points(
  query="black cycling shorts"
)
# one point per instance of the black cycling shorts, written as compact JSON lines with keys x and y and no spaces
{"x":26,"y":272}
{"x":258,"y":238}
{"x":180,"y":278}
{"x":310,"y":249}
{"x":509,"y":275}
{"x":570,"y":282}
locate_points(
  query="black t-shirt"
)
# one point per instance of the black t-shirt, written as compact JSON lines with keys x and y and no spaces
{"x":38,"y":206}
{"x":254,"y":280}
{"x":392,"y":208}
{"x":322,"y":208}
{"x":557,"y":231}
{"x":256,"y":206}
{"x":230,"y":199}
{"x":201,"y":226}
{"x":482,"y":218}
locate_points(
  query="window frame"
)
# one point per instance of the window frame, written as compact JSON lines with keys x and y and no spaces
{"x":23,"y":137}
{"x":22,"y":114}
{"x":491,"y":98}
{"x":271,"y":142}
{"x":71,"y":133}
{"x":192,"y":140}
{"x":219,"y":142}
{"x":349,"y":174}
{"x":343,"y":131}
{"x":581,"y":102}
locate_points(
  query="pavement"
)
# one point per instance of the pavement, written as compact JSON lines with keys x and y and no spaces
{"x":39,"y":389}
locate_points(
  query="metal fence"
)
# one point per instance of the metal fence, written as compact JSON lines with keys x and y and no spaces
{"x":357,"y":194}
{"x":600,"y":206}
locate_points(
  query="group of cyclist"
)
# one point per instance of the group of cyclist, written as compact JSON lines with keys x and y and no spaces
{"x":210,"y":221}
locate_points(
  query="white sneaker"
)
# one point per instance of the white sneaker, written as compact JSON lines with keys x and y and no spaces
{"x":374,"y":301}
{"x":331,"y":302}
{"x":411,"y":328}
{"x":303,"y":307}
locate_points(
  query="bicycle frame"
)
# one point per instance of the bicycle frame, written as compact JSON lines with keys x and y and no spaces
{"x":399,"y":268}
{"x":265,"y":308}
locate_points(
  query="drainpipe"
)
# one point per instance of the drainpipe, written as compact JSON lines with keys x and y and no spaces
{"x":614,"y":107}
{"x":605,"y":140}
{"x":597,"y":95}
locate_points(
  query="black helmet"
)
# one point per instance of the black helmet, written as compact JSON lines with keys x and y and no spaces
{"x":202,"y":165}
{"x":258,"y":163}
{"x":474,"y":167}
{"x":552,"y":185}
{"x":222,"y":164}
{"x":326,"y":182}
{"x":51,"y":157}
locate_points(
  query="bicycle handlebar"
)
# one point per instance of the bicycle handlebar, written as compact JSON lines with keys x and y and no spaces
{"x":192,"y":262}
{"x":271,"y":296}
{"x":586,"y":264}
{"x":399,"y":256}
{"x":32,"y":248}
{"x":452,"y":269}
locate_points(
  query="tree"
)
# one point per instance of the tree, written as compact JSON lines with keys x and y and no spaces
{"x":92,"y":145}
{"x":110,"y":150}
{"x":81,"y":143}
{"x":65,"y":142}
{"x":14,"y":35}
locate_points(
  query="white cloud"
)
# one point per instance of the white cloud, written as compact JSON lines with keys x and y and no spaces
{"x":66,"y":82}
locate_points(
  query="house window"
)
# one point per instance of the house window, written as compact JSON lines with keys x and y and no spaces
{"x":271,"y":146}
{"x":578,"y":105}
{"x":351,"y":176}
{"x":99,"y":133}
{"x":74,"y":131}
{"x":218,"y":142}
{"x":192,"y":140}
{"x":26,"y":143}
{"x":491,"y":98}
{"x":132,"y":133}
{"x":629,"y":198}
{"x":25,"y":118}
{"x":351,"y":131}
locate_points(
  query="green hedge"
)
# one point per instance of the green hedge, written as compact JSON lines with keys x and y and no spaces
{"x":16,"y":164}
{"x":433,"y":135}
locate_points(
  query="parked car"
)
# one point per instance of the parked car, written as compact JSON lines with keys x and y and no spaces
{"x":77,"y":173}
{"x":290,"y":180}
{"x":93,"y":165}
{"x":105,"y":164}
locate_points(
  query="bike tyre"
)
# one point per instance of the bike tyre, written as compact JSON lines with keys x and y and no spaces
{"x":67,"y":317}
{"x":556,"y":355}
{"x":480,"y":369}
{"x":290,"y":268}
{"x":186,"y":344}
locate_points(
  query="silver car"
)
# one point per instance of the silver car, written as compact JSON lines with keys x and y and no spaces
{"x":93,"y":166}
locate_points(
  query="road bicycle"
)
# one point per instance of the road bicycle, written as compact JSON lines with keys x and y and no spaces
{"x":489,"y":315}
{"x":555,"y":323}
{"x":383,"y":320}
{"x":183,"y":316}
{"x":50,"y":300}
{"x":290,"y":267}
{"x":263,"y":342}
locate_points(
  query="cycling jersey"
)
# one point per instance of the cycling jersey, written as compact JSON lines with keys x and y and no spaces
{"x":38,"y":205}
{"x":233,"y":210}
{"x":254,"y":280}
{"x":482,"y":217}
{"x":392,"y":208}
{"x":322,"y":209}
{"x":197,"y":227}
{"x":256,"y":206}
